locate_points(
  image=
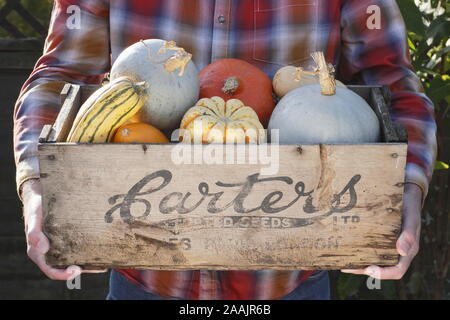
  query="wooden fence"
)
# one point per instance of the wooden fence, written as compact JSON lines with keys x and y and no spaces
{"x":17,"y":7}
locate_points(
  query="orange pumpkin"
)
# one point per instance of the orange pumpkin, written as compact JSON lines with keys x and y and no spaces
{"x":137,"y":118}
{"x":238,"y":79}
{"x":139,"y":133}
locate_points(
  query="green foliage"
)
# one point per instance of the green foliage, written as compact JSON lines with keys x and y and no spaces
{"x":441,"y":166}
{"x":428,"y":24}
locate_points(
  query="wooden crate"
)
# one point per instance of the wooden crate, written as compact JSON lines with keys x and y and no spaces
{"x":137,"y":206}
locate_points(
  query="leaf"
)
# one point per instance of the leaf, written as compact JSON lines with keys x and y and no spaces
{"x":443,"y":51}
{"x":438,"y":89}
{"x":348,"y":285}
{"x":438,"y":29}
{"x":441,"y":166}
{"x":411,"y":44}
{"x":439,"y":94}
{"x":412,"y":16}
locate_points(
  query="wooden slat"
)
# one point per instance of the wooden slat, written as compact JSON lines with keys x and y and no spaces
{"x":10,"y":61}
{"x":66,"y":116}
{"x":96,"y":196}
{"x":382,"y":111}
{"x":387,"y":94}
{"x":65,"y":92}
{"x":21,"y":45}
{"x":363,"y":91}
{"x":45,"y":133}
{"x":402,"y":133}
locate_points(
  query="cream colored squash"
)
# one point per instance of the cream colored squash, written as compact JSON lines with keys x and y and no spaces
{"x":289,"y":78}
{"x":171,"y":76}
{"x":216,"y":121}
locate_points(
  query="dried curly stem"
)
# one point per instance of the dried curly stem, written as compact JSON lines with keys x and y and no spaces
{"x":326,"y":74}
{"x":179,"y":60}
{"x":324,"y":70}
{"x":299,"y":72}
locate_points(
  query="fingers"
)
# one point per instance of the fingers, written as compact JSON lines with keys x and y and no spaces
{"x":33,"y":214}
{"x":388,"y":273}
{"x":52,"y":273}
{"x":38,"y":244}
{"x":95,"y":271}
{"x":36,"y":239}
{"x":407,"y":246}
{"x":393,"y":273}
{"x":408,"y":243}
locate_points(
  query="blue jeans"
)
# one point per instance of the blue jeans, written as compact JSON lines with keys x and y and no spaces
{"x":317,"y":287}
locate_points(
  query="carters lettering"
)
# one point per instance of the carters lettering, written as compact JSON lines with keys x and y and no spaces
{"x":211,"y":200}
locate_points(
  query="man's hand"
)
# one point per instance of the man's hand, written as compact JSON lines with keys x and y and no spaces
{"x":37,"y":243}
{"x":408,"y":242}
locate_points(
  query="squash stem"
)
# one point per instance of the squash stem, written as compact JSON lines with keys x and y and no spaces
{"x":326,"y":74}
{"x":230,"y":86}
{"x":180,"y":61}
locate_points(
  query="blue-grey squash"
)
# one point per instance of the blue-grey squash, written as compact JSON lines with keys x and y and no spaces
{"x":324,"y":113}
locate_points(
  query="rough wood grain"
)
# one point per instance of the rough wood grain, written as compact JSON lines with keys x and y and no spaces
{"x":45,"y":133}
{"x":65,"y":92}
{"x":67,"y":114}
{"x":133,"y":206}
{"x":382,"y":111}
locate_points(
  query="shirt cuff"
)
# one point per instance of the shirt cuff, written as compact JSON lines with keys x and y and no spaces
{"x":27,"y":169}
{"x":416,"y":175}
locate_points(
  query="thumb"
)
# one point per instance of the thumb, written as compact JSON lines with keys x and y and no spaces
{"x":74,"y":271}
{"x":405,"y":243}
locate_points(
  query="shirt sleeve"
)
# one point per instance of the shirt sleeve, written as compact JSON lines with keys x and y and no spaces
{"x":76,"y":51}
{"x":379,"y":55}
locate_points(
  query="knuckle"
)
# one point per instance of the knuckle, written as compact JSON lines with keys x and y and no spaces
{"x":409,"y":236}
{"x":33,"y":237}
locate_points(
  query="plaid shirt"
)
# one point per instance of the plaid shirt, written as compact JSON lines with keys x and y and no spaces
{"x":267,"y":33}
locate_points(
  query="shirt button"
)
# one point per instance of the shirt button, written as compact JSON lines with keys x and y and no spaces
{"x":221,"y":19}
